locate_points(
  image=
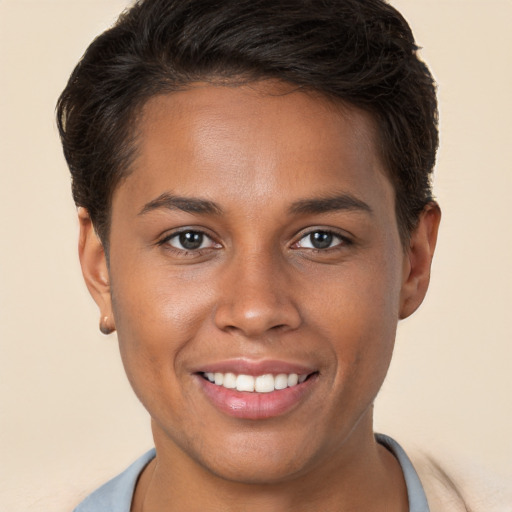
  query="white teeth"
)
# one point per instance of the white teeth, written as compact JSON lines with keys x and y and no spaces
{"x":229,"y":381}
{"x":281,"y":381}
{"x":264,"y":384}
{"x":261,"y":384}
{"x":245,"y":383}
{"x":293,"y":379}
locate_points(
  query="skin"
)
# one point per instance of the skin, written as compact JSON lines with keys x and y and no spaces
{"x":258,"y":290}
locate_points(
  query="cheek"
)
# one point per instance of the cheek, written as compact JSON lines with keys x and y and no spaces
{"x":362,"y":317}
{"x":156,"y":316}
{"x":149,"y":296}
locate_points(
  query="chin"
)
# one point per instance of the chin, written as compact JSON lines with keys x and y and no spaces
{"x":258,"y":470}
{"x":261,"y":458}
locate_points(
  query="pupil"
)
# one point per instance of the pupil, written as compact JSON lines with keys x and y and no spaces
{"x":321,"y":240}
{"x":191,"y":240}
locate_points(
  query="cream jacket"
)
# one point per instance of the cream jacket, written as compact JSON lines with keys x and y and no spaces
{"x":454,"y":488}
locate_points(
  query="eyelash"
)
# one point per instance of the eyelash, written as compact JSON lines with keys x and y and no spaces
{"x":331,"y":236}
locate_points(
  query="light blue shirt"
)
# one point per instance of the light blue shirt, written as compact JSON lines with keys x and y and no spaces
{"x":116,"y":495}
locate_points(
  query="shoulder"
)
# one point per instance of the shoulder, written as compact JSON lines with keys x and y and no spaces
{"x":460,"y":487}
{"x":116,"y":495}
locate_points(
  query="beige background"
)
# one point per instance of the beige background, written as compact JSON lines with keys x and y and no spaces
{"x":68,"y":419}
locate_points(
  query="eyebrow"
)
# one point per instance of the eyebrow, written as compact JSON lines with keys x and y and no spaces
{"x":330,"y":204}
{"x":318,"y":205}
{"x":185,"y":204}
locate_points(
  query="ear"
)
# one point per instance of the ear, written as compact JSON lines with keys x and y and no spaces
{"x":418,"y":259}
{"x":95,"y":270}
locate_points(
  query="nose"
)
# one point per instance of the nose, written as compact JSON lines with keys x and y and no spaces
{"x":256,"y":297}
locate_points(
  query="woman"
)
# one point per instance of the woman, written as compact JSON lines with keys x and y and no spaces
{"x":253,"y":184}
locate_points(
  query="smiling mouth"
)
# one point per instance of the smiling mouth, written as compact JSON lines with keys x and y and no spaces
{"x":266,"y":383}
{"x":257,"y":391}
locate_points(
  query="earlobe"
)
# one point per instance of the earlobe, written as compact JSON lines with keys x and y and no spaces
{"x":418,"y":260}
{"x":93,"y":261}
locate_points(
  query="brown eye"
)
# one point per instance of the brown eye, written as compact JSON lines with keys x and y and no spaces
{"x":320,"y":240}
{"x":190,"y":241}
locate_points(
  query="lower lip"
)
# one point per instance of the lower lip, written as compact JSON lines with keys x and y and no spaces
{"x":256,"y":406}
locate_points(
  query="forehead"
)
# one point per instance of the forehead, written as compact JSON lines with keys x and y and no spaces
{"x":247,"y":142}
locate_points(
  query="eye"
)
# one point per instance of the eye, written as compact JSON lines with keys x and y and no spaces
{"x":190,"y":240}
{"x":320,"y":240}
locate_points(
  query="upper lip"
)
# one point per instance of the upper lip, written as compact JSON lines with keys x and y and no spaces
{"x":255,"y":367}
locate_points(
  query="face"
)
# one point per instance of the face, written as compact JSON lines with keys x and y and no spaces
{"x":255,"y":245}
